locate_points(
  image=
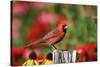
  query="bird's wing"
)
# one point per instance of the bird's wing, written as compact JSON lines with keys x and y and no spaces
{"x":51,"y":34}
{"x":55,"y":39}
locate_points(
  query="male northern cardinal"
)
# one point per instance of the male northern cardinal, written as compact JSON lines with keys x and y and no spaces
{"x":52,"y":37}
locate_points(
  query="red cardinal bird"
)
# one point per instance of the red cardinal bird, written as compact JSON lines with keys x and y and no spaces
{"x":52,"y":37}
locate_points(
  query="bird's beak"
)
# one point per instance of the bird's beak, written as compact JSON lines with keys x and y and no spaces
{"x":65,"y":27}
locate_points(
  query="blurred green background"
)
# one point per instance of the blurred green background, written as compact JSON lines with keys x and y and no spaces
{"x":32,"y":20}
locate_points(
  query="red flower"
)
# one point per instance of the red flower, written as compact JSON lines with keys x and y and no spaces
{"x":91,"y":49}
{"x":34,"y":33}
{"x":81,"y":50}
{"x":92,"y":57}
{"x":81,"y":54}
{"x":17,"y":52}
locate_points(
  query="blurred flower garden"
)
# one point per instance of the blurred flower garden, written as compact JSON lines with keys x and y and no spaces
{"x":32,"y":20}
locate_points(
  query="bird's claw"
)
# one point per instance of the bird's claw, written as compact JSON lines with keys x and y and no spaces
{"x":54,"y":48}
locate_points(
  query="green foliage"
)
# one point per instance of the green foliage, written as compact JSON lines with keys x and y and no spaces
{"x":45,"y":50}
{"x":18,"y":43}
{"x":82,"y":28}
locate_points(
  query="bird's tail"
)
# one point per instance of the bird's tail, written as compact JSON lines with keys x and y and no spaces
{"x":30,"y":45}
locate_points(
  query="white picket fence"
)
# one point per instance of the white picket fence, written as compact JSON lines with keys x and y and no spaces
{"x":60,"y":56}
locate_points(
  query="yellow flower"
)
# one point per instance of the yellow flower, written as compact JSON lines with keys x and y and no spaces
{"x":30,"y":62}
{"x":47,"y":62}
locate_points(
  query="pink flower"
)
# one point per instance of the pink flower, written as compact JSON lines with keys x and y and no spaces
{"x":26,"y":53}
{"x":16,"y":23}
{"x":20,"y":7}
{"x":40,"y":57}
{"x":46,"y":17}
{"x":15,"y":35}
{"x":39,"y":4}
